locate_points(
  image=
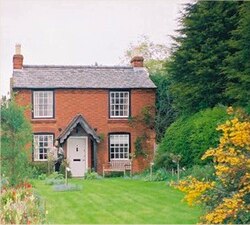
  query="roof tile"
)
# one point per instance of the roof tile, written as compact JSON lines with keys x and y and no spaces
{"x":81,"y":77}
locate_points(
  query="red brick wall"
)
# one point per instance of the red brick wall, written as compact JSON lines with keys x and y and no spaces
{"x":94,"y":106}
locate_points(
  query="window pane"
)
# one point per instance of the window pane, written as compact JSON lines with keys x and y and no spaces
{"x":42,"y":144}
{"x":119,"y":104}
{"x":43,"y":104}
{"x":121,"y":143}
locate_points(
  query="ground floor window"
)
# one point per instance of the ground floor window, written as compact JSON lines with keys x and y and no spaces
{"x":43,"y":143}
{"x":119,"y":146}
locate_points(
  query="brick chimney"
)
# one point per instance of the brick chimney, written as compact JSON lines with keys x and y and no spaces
{"x":137,"y":61}
{"x":18,"y":58}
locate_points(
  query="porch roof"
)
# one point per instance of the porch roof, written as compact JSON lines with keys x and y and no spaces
{"x":78,"y":119}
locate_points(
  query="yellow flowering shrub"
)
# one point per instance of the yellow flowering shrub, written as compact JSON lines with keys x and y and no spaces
{"x":227,"y":200}
{"x":194,"y":189}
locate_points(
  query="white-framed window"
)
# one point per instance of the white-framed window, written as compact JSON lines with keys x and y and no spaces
{"x":119,"y":146}
{"x":43,"y":144}
{"x":119,"y":104}
{"x":43,"y":104}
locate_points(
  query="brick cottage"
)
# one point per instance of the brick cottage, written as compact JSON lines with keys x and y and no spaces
{"x":88,"y":110}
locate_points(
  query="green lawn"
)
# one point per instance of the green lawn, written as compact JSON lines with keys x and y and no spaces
{"x":117,"y":200}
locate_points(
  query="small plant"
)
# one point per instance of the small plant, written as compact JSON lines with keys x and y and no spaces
{"x":54,"y":178}
{"x":63,"y":166}
{"x":42,"y":177}
{"x":139,"y":146}
{"x":91,"y":175}
{"x":158,"y":175}
{"x":37,"y":169}
{"x":101,"y":136}
{"x":145,"y":117}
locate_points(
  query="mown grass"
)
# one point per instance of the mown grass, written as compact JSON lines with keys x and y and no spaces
{"x":117,"y":201}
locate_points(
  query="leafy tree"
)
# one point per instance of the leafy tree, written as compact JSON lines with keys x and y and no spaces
{"x":15,"y":136}
{"x":197,"y":80}
{"x":227,"y":199}
{"x":190,"y":137}
{"x":165,"y":113}
{"x":237,"y":67}
{"x":155,"y":60}
{"x":154,"y":54}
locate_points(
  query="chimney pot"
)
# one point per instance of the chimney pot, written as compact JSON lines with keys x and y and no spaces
{"x":137,"y":61}
{"x":18,"y":49}
{"x":18,"y":58}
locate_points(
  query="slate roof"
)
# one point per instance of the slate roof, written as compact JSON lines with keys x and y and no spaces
{"x":81,"y":77}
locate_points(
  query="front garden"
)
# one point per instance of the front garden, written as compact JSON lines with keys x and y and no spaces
{"x":116,"y":201}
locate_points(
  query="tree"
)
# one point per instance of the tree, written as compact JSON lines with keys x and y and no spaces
{"x":15,"y":136}
{"x":237,"y":67}
{"x":156,"y":61}
{"x":227,"y":199}
{"x":196,"y":68}
{"x":154,"y":54}
{"x":165,"y":113}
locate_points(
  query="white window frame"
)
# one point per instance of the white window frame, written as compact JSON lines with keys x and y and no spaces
{"x":43,"y":107}
{"x":116,"y":143}
{"x":112,"y":104}
{"x":40,"y":143}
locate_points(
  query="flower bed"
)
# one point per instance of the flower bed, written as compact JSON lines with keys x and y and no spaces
{"x":21,"y":206}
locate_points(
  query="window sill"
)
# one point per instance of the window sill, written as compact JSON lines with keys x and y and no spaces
{"x":118,"y":120}
{"x":45,"y":120}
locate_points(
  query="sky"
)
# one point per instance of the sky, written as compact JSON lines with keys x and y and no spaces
{"x":80,"y":32}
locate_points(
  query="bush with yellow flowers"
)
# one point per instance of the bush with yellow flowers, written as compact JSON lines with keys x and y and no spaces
{"x":227,"y":199}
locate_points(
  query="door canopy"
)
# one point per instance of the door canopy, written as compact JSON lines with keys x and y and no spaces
{"x":78,"y":119}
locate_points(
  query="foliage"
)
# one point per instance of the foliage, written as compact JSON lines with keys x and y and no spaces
{"x":190,"y":137}
{"x":139,"y":146}
{"x":226,"y":200}
{"x":20,"y":205}
{"x":154,"y":54}
{"x":197,"y":65}
{"x":54,"y":178}
{"x":145,"y":118}
{"x":165,"y":113}
{"x":194,"y":189}
{"x":16,"y":134}
{"x":101,"y":136}
{"x":202,"y":172}
{"x":92,"y":175}
{"x":158,"y":175}
{"x":63,"y":166}
{"x":237,"y":66}
{"x":38,"y":169}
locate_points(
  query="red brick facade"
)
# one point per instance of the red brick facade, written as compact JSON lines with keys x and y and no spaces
{"x":93,"y":105}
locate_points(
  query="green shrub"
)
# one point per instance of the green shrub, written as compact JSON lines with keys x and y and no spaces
{"x":16,"y":135}
{"x":201,"y":172}
{"x":158,"y":175}
{"x":54,"y":178}
{"x":38,"y":168}
{"x":91,"y":175}
{"x":191,"y":137}
{"x":62,"y":169}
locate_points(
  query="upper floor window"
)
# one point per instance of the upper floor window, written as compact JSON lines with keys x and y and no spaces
{"x":119,"y":146}
{"x":43,"y":144}
{"x":43,"y":104}
{"x":119,"y":104}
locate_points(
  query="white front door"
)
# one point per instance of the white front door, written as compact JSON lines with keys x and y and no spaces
{"x":77,"y":149}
